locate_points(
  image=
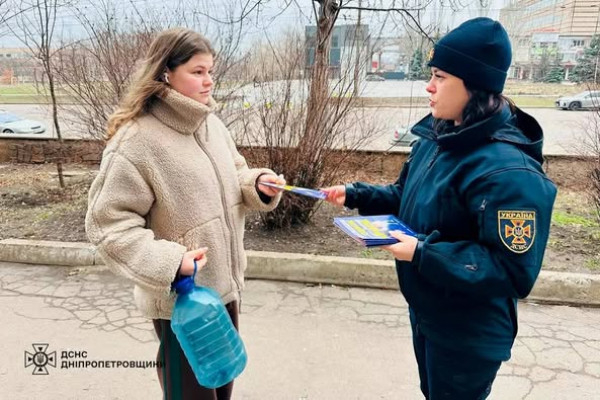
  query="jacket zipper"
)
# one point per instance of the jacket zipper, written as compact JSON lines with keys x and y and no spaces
{"x":435,"y":154}
{"x":429,"y":165}
{"x":233,"y":241}
{"x":482,"y":215}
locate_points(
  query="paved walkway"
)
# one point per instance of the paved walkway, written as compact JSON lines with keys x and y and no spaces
{"x":303,"y":341}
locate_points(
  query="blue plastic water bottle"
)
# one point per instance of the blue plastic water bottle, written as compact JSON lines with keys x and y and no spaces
{"x":206,"y":334}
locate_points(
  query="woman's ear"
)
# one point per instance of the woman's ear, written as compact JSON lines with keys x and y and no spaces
{"x":166,"y":77}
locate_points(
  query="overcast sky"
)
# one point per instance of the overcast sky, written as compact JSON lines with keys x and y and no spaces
{"x":272,"y":18}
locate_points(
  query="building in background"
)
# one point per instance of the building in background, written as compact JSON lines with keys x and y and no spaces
{"x":17,"y":65}
{"x":547,"y":33}
{"x":347,"y":41}
{"x":389,"y":57}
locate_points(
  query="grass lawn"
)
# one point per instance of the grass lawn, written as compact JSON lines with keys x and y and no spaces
{"x":515,"y":88}
{"x":533,"y":101}
{"x":22,"y":89}
{"x":26,"y":93}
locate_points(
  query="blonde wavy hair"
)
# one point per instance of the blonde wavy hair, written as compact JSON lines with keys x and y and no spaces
{"x":168,"y":50}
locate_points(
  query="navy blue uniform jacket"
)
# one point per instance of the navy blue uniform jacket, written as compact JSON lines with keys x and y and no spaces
{"x":482,"y":204}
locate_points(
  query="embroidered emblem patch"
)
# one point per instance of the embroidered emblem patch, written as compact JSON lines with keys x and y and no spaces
{"x":517,"y":229}
{"x":430,"y":55}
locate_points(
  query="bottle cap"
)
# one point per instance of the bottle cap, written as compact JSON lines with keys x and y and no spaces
{"x":184,"y":285}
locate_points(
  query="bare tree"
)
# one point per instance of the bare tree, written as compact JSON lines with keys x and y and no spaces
{"x":97,"y":70}
{"x":326,"y":116}
{"x":9,"y":9}
{"x":277,"y":121}
{"x":37,"y":27}
{"x":5,"y":11}
{"x":590,"y":150}
{"x":313,"y":116}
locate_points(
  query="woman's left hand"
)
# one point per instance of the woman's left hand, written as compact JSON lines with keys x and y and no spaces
{"x":269,"y":178}
{"x":404,"y":250}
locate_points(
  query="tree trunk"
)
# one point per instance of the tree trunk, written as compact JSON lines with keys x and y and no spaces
{"x":59,"y":160}
{"x":357,"y":43}
{"x":319,"y":84}
{"x":305,"y":165}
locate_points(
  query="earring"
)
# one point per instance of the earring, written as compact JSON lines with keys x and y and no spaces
{"x":166,"y":78}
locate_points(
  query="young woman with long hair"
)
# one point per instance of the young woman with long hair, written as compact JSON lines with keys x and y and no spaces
{"x":171,"y":189}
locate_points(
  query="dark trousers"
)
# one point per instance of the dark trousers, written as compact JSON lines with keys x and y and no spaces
{"x":177,"y":379}
{"x":451,"y":375}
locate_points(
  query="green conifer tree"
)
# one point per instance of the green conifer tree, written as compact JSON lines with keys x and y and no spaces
{"x":587,"y":68}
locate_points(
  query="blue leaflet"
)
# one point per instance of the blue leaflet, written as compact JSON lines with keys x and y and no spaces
{"x":317,"y":194}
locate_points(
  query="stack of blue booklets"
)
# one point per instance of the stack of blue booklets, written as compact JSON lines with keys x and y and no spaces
{"x":372,"y":230}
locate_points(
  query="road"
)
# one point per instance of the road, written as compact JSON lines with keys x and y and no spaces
{"x":308,"y":342}
{"x":566,"y":132}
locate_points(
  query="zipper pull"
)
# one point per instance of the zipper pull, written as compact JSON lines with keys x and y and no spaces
{"x":483,"y":204}
{"x":437,"y":151}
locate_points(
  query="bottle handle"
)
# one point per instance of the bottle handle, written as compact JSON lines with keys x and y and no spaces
{"x":195,"y":269}
{"x":184,"y":284}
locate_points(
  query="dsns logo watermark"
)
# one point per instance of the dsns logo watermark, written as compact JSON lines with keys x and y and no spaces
{"x":40,"y":359}
{"x":76,"y":359}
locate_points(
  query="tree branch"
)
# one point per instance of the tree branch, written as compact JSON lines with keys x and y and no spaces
{"x":404,"y":11}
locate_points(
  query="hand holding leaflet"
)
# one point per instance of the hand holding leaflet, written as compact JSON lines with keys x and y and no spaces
{"x":269,"y":178}
{"x":317,"y":194}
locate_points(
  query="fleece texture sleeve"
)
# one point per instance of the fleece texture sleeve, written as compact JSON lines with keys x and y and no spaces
{"x":119,"y":200}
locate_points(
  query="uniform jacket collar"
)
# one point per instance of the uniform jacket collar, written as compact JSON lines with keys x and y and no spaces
{"x":476,"y":134}
{"x":182,"y":113}
{"x":517,"y":128}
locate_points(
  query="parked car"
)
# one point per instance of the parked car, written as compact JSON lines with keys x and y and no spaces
{"x":401,"y":136}
{"x":374,"y":77}
{"x":12,"y":123}
{"x":589,"y":99}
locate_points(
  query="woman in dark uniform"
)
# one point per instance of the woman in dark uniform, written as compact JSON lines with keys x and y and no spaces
{"x":475,"y":191}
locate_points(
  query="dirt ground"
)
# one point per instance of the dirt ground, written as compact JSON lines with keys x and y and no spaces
{"x":33,"y":207}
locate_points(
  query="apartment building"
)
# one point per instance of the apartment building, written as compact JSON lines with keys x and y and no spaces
{"x":346,"y":41}
{"x":16,"y":65}
{"x":542,"y":31}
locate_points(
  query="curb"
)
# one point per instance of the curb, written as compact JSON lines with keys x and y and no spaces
{"x":552,"y":287}
{"x":48,"y":253}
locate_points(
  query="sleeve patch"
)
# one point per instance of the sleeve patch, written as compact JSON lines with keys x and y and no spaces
{"x":516,"y":229}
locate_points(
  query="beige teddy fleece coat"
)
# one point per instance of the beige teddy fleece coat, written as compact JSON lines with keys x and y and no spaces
{"x":169,"y":182}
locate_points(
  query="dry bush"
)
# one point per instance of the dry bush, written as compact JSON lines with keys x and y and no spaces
{"x":590,"y":149}
{"x":308,"y":143}
{"x":96,"y":71}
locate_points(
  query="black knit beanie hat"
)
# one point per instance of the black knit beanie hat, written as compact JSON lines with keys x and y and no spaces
{"x":478,"y":52}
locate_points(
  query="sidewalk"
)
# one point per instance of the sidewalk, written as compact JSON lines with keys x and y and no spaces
{"x":550,"y":287}
{"x":304,"y":341}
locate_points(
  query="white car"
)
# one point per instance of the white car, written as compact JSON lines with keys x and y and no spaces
{"x":11,"y":123}
{"x":589,"y":99}
{"x":374,"y":77}
{"x":401,"y":136}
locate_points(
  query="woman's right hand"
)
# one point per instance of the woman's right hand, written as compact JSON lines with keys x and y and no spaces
{"x":336,"y":195}
{"x":187,"y":262}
